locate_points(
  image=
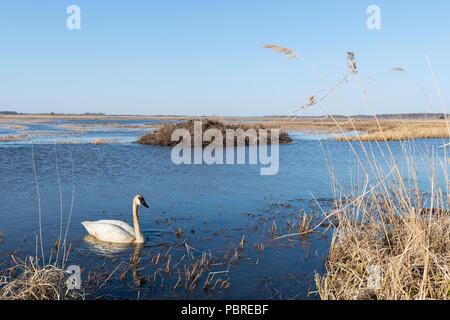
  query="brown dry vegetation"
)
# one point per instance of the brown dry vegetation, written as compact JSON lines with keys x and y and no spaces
{"x":391,"y":241}
{"x":403,"y":128}
{"x":399,"y":130}
{"x":409,"y":250}
{"x":14,"y":137}
{"x":103,"y":141}
{"x":163,"y":135}
{"x":15,"y":126}
{"x":27,"y":280}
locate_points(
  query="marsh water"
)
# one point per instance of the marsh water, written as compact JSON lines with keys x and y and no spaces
{"x":229,"y":215}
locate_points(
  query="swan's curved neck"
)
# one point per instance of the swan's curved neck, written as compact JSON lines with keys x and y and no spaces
{"x":137,"y":229}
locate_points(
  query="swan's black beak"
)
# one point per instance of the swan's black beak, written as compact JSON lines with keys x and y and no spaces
{"x":144,"y":203}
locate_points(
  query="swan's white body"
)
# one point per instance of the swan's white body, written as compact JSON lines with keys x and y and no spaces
{"x":116,"y":231}
{"x":110,"y":231}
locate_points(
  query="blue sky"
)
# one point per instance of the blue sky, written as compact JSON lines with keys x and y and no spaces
{"x":205,"y":57}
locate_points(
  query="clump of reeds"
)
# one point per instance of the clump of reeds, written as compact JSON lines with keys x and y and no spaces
{"x":163,"y":135}
{"x":41,"y":279}
{"x":392,"y":240}
{"x":395,"y":252}
{"x":28,"y":280}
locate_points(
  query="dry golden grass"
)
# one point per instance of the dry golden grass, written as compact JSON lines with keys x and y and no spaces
{"x":394,"y":228}
{"x":392,"y":237}
{"x":393,"y":129}
{"x":14,"y":137}
{"x":103,"y":141}
{"x":410,"y":250}
{"x":289,"y":52}
{"x":17,"y":127}
{"x":27,"y":280}
{"x":400,"y":130}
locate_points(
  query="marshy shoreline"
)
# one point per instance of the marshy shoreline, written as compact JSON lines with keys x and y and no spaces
{"x":367,"y":128}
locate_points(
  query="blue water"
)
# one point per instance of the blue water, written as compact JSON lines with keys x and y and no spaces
{"x":215,"y":206}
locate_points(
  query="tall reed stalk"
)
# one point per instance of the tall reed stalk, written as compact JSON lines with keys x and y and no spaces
{"x":391,"y":238}
{"x":34,"y":278}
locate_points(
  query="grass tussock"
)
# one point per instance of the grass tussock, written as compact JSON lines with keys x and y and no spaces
{"x":28,"y":280}
{"x":404,"y":256}
{"x":163,"y":135}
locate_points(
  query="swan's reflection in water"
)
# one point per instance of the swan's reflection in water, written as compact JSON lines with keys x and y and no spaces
{"x":138,"y":281}
{"x":111,"y":250}
{"x":106,"y":249}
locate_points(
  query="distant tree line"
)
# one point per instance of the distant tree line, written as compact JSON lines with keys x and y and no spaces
{"x":10,"y":112}
{"x":394,"y":116}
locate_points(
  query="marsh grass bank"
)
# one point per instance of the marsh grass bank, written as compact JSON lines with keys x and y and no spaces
{"x":399,"y":130}
{"x":391,"y":241}
{"x":393,"y":127}
{"x":397,"y":253}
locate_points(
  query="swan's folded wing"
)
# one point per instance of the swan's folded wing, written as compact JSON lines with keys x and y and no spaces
{"x":108,"y":232}
{"x":119,"y":223}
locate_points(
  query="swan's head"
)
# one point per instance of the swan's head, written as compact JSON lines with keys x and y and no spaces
{"x":140,"y":201}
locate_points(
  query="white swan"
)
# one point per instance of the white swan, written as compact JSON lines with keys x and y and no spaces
{"x":116,"y":231}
